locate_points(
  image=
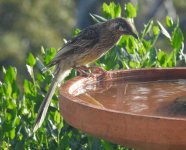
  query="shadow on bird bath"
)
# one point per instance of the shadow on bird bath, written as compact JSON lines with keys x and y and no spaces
{"x":144,"y":109}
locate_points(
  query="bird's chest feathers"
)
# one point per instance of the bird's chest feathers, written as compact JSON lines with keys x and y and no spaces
{"x":104,"y":44}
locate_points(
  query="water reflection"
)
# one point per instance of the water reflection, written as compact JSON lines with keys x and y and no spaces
{"x":144,"y":98}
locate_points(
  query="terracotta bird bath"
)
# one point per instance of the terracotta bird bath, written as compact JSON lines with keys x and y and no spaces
{"x":143,"y":109}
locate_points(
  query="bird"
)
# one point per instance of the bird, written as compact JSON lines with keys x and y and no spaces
{"x":89,"y":45}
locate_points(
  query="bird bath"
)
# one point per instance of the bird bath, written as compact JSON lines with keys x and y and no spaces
{"x":143,"y":109}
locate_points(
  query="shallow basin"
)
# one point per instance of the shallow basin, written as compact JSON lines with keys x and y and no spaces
{"x":143,"y":109}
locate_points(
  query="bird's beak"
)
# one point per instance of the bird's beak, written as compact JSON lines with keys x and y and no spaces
{"x":135,"y":35}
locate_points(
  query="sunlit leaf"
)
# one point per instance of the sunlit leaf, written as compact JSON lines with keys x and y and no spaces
{"x":50,"y":53}
{"x":16,"y":121}
{"x":76,"y":31}
{"x":134,"y":64}
{"x":10,"y":74}
{"x":8,"y":89}
{"x":12,"y":133}
{"x":112,"y":10}
{"x":171,"y":59}
{"x":28,"y":87}
{"x":177,"y":38}
{"x":11,"y":104}
{"x":42,"y":50}
{"x":30,"y":70}
{"x":161,"y":57}
{"x":147,"y":28}
{"x":31,"y":61}
{"x":169,"y":22}
{"x":156,"y":30}
{"x":163,"y":30}
{"x":57,"y":117}
{"x":130,"y":11}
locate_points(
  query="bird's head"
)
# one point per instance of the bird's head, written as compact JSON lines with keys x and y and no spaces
{"x":122,"y":27}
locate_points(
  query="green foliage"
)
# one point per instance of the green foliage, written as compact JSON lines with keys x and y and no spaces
{"x":169,"y":22}
{"x":31,"y":61}
{"x":19,"y":109}
{"x":112,"y":10}
{"x":144,"y":53}
{"x":130,"y":11}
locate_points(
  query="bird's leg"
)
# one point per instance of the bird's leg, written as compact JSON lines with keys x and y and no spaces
{"x":82,"y":70}
{"x":96,"y":72}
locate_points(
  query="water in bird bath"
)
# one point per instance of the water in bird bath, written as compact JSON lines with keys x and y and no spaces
{"x":163,"y":98}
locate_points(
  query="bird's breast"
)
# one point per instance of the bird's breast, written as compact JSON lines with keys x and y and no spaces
{"x":90,"y":55}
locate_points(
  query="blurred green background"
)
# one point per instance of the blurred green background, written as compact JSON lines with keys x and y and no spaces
{"x":26,"y":25}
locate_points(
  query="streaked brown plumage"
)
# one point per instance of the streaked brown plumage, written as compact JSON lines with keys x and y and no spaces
{"x":89,"y":45}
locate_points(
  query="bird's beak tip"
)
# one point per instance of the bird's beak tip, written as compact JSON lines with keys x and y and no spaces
{"x":135,"y":36}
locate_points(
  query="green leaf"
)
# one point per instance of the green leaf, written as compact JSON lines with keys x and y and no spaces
{"x":31,"y":61}
{"x":10,"y":74}
{"x":16,"y":121}
{"x":156,"y":30}
{"x":11,"y":104}
{"x":177,"y":38}
{"x":112,"y":10}
{"x":147,"y":28}
{"x":42,"y":50}
{"x":152,"y":55}
{"x":94,"y":143}
{"x":133,"y":64}
{"x":12,"y":133}
{"x":57,"y":117}
{"x":15,"y":90}
{"x":8,"y":89}
{"x":129,"y":43}
{"x":107,"y":145}
{"x":169,"y":22}
{"x":19,"y":145}
{"x":76,"y":31}
{"x":3,"y":70}
{"x":163,"y":30}
{"x":162,"y":57}
{"x":28,"y":87}
{"x":130,"y":11}
{"x":171,"y":59}
{"x":30,"y":70}
{"x":49,"y":55}
{"x":117,"y":10}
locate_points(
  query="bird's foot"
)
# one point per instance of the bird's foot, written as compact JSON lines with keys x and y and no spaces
{"x":96,"y":72}
{"x":82,"y":70}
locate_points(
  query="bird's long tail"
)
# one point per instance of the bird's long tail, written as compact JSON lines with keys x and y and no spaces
{"x":60,"y":74}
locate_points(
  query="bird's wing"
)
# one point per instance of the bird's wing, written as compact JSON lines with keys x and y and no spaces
{"x":85,"y":39}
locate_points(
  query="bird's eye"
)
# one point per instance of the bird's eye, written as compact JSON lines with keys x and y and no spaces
{"x":121,"y":28}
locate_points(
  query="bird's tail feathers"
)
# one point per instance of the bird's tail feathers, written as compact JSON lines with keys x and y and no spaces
{"x":60,"y":75}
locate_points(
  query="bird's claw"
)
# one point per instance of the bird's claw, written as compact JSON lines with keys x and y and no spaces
{"x":96,"y":72}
